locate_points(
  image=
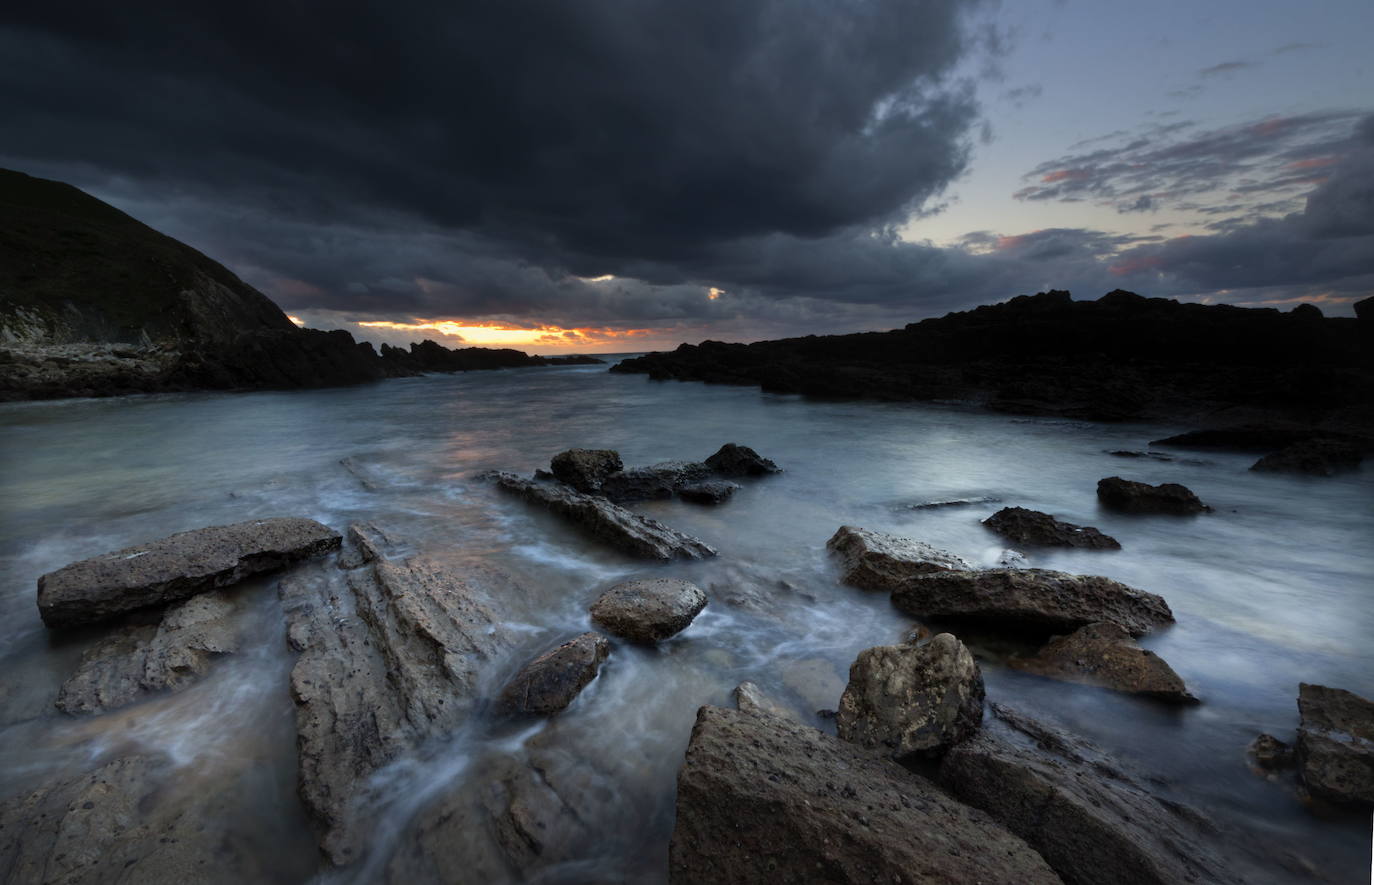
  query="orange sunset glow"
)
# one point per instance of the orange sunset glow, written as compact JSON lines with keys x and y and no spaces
{"x":542,"y":337}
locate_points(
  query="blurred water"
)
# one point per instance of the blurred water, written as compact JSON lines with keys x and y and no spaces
{"x":1271,"y":589}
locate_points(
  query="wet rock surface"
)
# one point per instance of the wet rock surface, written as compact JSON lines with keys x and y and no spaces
{"x":1314,"y":457}
{"x":1106,"y":656}
{"x":736,"y":460}
{"x":1271,"y":754}
{"x":1092,"y":819}
{"x":879,"y":561}
{"x":390,"y":658}
{"x":585,"y":469}
{"x":710,"y":491}
{"x":910,"y":700}
{"x":648,"y":610}
{"x":763,"y":799}
{"x":140,"y":660}
{"x":552,"y":681}
{"x":1139,"y":497}
{"x":1335,"y":750}
{"x":1034,"y":599}
{"x":607,"y":522}
{"x":176,"y":567}
{"x":751,"y":699}
{"x":127,"y":820}
{"x":656,"y":481}
{"x":1033,"y":527}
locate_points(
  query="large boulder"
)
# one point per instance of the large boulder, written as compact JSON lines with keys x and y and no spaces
{"x":1036,"y":599}
{"x":585,"y":469}
{"x":1336,"y":744}
{"x":1090,"y":817}
{"x":764,"y":799}
{"x":176,"y":567}
{"x":607,"y":522}
{"x":1315,"y":457}
{"x":879,"y":561}
{"x":1139,"y":497}
{"x":1104,"y":655}
{"x":139,"y":660}
{"x":660,"y":480}
{"x":553,"y":680}
{"x":909,"y":700}
{"x":390,"y":657}
{"x":648,"y":610}
{"x":1033,"y":527}
{"x":736,"y":460}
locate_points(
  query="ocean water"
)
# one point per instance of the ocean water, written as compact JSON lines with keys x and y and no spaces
{"x":1270,"y":590}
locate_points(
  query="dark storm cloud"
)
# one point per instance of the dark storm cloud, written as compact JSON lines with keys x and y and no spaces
{"x":589,"y":132}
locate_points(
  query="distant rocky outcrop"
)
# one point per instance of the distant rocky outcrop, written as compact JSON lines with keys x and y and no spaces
{"x":1138,"y":497}
{"x":95,"y":303}
{"x":1119,"y":357}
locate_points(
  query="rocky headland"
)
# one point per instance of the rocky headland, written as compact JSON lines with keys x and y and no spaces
{"x":1121,"y":357}
{"x":95,"y":303}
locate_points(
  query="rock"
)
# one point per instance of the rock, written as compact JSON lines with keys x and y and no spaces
{"x":584,"y":469}
{"x":1033,"y":527}
{"x":1139,"y":497}
{"x":660,"y":480}
{"x":736,"y":460}
{"x":1317,"y":457}
{"x":1153,"y":456}
{"x":365,"y":544}
{"x":1104,"y":655}
{"x":176,"y":567}
{"x":136,"y":661}
{"x":609,"y":523}
{"x":1012,"y":559}
{"x":1336,"y":744}
{"x":133,"y":819}
{"x":749,"y":698}
{"x":711,"y":491}
{"x":390,"y":658}
{"x":1246,"y":437}
{"x":648,"y":610}
{"x":1038,"y":599}
{"x":1093,"y":820}
{"x":816,"y":681}
{"x":878,"y":561}
{"x":909,"y":700}
{"x":948,"y":502}
{"x":1271,"y":754}
{"x":763,"y":799}
{"x":552,"y":681}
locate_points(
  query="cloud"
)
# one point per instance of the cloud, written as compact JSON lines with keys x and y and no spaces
{"x":1226,"y":67}
{"x":1262,"y":166}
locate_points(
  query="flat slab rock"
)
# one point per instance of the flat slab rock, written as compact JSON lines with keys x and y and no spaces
{"x":607,"y":522}
{"x":129,"y":820}
{"x":879,"y":561}
{"x":1106,"y":656}
{"x":764,"y":799}
{"x":1314,"y":457}
{"x":551,"y":682}
{"x":135,"y":662}
{"x":1138,"y":497}
{"x":1033,"y":527}
{"x":390,"y":658}
{"x":648,"y":610}
{"x":176,"y":567}
{"x":1336,"y":744}
{"x":912,"y":700}
{"x":1032,"y":598}
{"x":1093,"y":820}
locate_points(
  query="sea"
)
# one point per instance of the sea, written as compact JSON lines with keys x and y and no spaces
{"x":1271,"y":589}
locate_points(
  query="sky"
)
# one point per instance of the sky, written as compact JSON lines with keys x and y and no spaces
{"x":625,"y":175}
